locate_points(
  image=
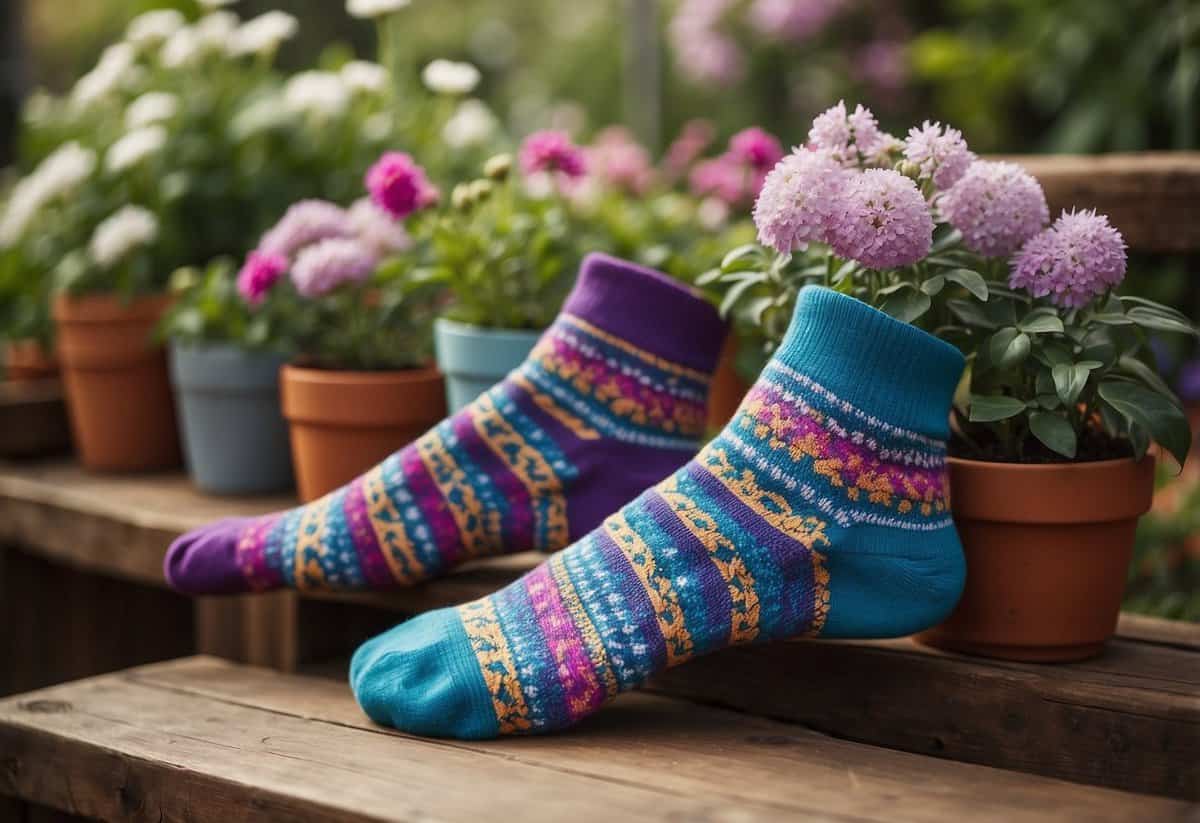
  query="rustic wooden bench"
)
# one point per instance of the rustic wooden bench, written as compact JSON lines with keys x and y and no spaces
{"x":1128,"y":720}
{"x":205,"y":740}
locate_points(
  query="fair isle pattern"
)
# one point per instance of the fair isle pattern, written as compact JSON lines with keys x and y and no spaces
{"x":489,"y":480}
{"x":730,"y":549}
{"x":607,"y":385}
{"x":680,"y":571}
{"x":864,"y":471}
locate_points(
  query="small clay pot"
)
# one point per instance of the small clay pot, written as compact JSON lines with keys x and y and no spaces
{"x":727,"y":389}
{"x":118,"y":395}
{"x":344,"y":422}
{"x":28,"y":360}
{"x":234,"y":436}
{"x":1048,"y":549}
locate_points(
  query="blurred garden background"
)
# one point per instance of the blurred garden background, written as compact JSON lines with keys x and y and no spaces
{"x":1016,"y":76}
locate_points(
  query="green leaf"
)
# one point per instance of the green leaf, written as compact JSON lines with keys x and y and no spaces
{"x":1165,"y":421}
{"x":946,"y":240}
{"x":709,"y":277}
{"x":845,"y":270}
{"x":970,"y":280}
{"x":1132,"y":366}
{"x":1040,"y":322}
{"x":1008,"y":347}
{"x":1150,"y":319}
{"x":988,"y":408}
{"x":972,"y":314}
{"x":1054,"y":432}
{"x":1111,"y":319}
{"x":933,"y":285}
{"x":734,"y":294}
{"x":906,"y":306}
{"x":1157,"y":307}
{"x":742,"y":258}
{"x":1069,"y":380}
{"x":895,"y":287}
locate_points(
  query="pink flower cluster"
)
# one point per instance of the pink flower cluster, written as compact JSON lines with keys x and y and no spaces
{"x":686,"y":149}
{"x":324,"y":246}
{"x":941,"y":154}
{"x":997,"y":207}
{"x":798,"y":200}
{"x":875,"y":216}
{"x":398,"y":185}
{"x":852,"y":138}
{"x":618,"y":159}
{"x":737,"y":176}
{"x":793,"y":19}
{"x":884,"y":221}
{"x":552,"y":152}
{"x":1073,"y":262}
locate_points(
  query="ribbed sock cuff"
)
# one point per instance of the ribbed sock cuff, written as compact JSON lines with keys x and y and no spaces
{"x":648,"y":309}
{"x":888,"y":369}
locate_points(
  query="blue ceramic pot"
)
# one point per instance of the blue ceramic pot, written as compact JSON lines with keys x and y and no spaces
{"x":473,"y":359}
{"x":234,"y":436}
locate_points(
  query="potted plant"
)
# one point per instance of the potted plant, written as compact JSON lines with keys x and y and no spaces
{"x":357,"y":310}
{"x":225,"y":352}
{"x":507,"y":250}
{"x":1049,"y":465}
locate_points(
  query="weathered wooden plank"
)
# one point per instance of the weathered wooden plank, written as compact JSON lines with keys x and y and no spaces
{"x":57,"y":623}
{"x":204,"y":740}
{"x":1128,"y":720}
{"x":1178,"y":633}
{"x":118,"y":525}
{"x":1151,"y":197}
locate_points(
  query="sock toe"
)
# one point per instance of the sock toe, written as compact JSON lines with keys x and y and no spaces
{"x":204,"y":561}
{"x":422,"y":677}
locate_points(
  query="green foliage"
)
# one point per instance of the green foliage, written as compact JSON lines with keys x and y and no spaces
{"x":507,"y":258}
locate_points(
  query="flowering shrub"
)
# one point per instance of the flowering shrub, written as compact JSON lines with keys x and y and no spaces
{"x":508,"y":247}
{"x":188,"y":122}
{"x":1059,"y":365}
{"x":340,"y":288}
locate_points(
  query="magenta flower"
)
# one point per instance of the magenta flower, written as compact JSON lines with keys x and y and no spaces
{"x":552,"y":151}
{"x":1073,"y":262}
{"x":693,"y":139}
{"x":852,"y":138}
{"x":258,"y":274}
{"x":324,"y":266}
{"x":997,"y":207}
{"x":620,"y":161}
{"x":756,"y":148}
{"x":398,"y":185}
{"x":793,"y":19}
{"x":723,"y":177}
{"x":940,"y":153}
{"x":305,"y":222}
{"x":798,"y":199}
{"x":882,"y":221}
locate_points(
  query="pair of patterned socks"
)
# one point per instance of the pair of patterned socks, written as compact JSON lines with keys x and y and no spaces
{"x":821,"y":509}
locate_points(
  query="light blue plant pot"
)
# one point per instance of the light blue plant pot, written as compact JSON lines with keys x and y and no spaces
{"x":233,"y":433}
{"x":473,"y":359}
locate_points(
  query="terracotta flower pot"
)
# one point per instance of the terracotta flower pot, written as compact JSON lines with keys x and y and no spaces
{"x":28,"y":360}
{"x":1048,"y":550}
{"x":344,"y":422}
{"x":727,"y":389}
{"x":118,"y":395}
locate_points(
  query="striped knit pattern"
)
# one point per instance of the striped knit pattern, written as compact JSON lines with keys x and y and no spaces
{"x":820,"y":510}
{"x":494,"y":478}
{"x":730,"y":549}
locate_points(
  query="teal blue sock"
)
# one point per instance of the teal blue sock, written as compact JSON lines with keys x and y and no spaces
{"x":820,"y":510}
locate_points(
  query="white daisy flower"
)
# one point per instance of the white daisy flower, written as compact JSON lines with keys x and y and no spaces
{"x":368,"y":9}
{"x":134,"y":147}
{"x":263,"y":34}
{"x":450,"y":77}
{"x":152,"y":107}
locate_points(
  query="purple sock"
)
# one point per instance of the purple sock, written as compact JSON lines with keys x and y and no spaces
{"x":611,"y":400}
